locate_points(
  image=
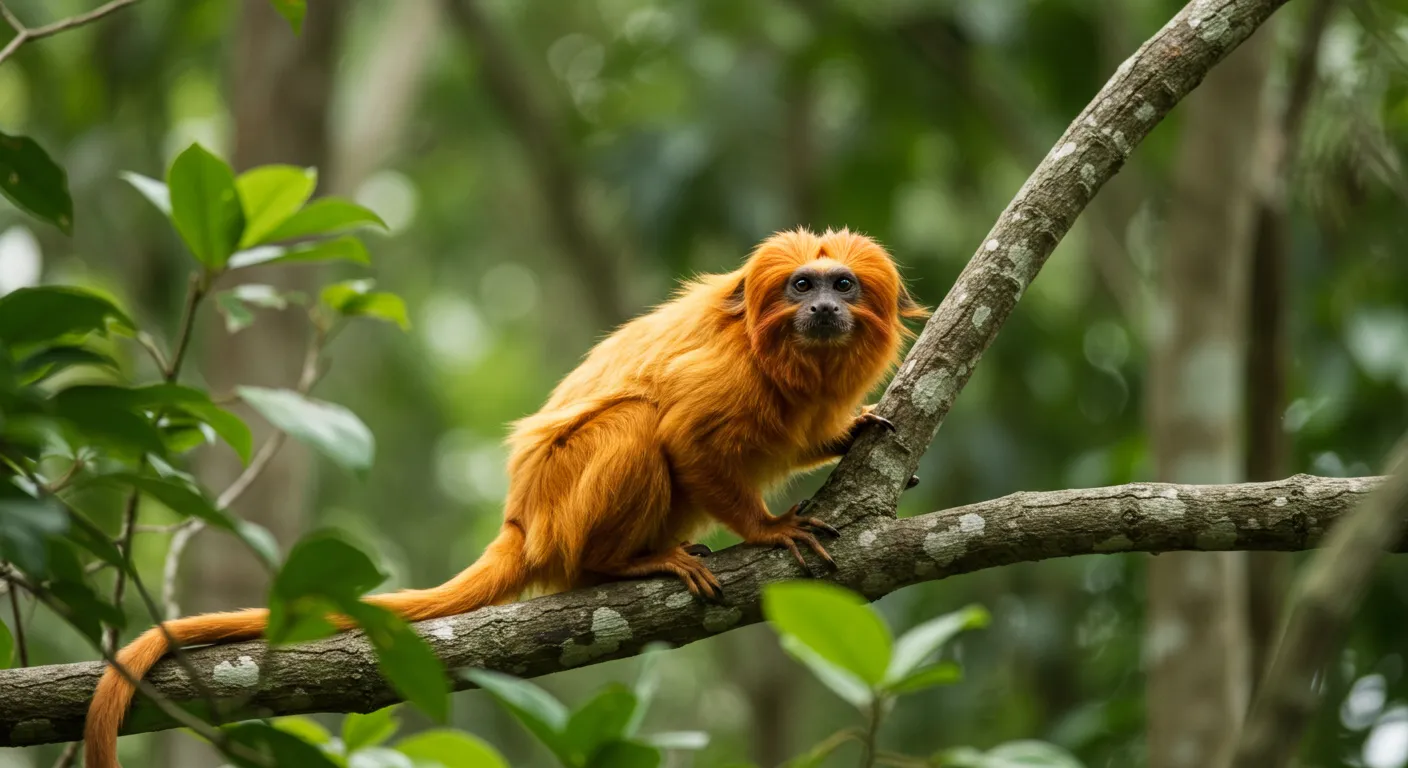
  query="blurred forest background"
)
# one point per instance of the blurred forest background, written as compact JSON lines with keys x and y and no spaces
{"x":548,"y":169}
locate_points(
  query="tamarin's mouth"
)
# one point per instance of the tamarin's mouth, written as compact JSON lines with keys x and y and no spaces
{"x":823,"y":329}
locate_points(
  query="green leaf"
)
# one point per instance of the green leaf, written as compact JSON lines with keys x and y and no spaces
{"x":330,"y":428}
{"x":543,"y":715}
{"x":293,"y":11}
{"x":270,"y":194}
{"x":275,"y":746}
{"x":86,"y":534}
{"x":943,"y":673}
{"x":304,"y":728}
{"x":7,"y":646}
{"x":602,"y":719}
{"x":45,"y":313}
{"x":1013,"y":754}
{"x":405,"y":659}
{"x":51,"y":359}
{"x":625,"y":754}
{"x":370,"y":729}
{"x":260,"y":540}
{"x":235,"y":303}
{"x":325,"y":216}
{"x":837,"y":624}
{"x":920,"y":643}
{"x":34,"y":182}
{"x":75,"y":599}
{"x":323,"y":572}
{"x":205,"y":205}
{"x":25,"y":526}
{"x":444,"y":748}
{"x":676,"y":740}
{"x":118,"y":413}
{"x":647,"y":683}
{"x":155,"y":191}
{"x":355,"y":298}
{"x":841,"y":682}
{"x":346,"y":248}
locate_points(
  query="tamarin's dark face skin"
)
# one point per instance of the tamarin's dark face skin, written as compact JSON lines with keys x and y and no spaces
{"x":823,"y":296}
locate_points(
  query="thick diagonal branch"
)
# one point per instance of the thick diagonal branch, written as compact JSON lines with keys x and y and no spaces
{"x":876,"y":556}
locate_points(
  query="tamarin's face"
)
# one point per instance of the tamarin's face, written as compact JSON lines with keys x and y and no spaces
{"x":823,"y":291}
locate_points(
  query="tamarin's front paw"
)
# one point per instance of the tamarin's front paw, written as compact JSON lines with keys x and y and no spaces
{"x":871,"y":417}
{"x":787,"y":529}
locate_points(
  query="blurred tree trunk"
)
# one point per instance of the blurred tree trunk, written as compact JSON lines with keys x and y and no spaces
{"x":281,"y":86}
{"x":1267,"y":351}
{"x":1197,"y":644}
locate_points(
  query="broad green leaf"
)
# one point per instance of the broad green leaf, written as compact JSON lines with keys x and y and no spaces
{"x":676,"y":740}
{"x":841,"y":681}
{"x":155,"y":191}
{"x":378,"y":757}
{"x":405,"y":659}
{"x":346,"y":248}
{"x":51,"y":359}
{"x":25,"y":525}
{"x":260,"y":540}
{"x":238,"y":315}
{"x":917,"y":645}
{"x":76,"y":601}
{"x":275,"y":746}
{"x":205,"y":206}
{"x":34,"y":182}
{"x":370,"y":729}
{"x":304,"y":728}
{"x":943,"y":673}
{"x":7,"y":646}
{"x":602,"y":719}
{"x":323,"y":573}
{"x":325,"y":216}
{"x":355,"y":298}
{"x":837,"y":624}
{"x":543,"y":715}
{"x":85,"y":533}
{"x":109,"y":410}
{"x":330,"y":428}
{"x":105,"y":416}
{"x":625,"y":754}
{"x":270,"y":194}
{"x":293,"y":11}
{"x":444,"y":748}
{"x":44,"y":313}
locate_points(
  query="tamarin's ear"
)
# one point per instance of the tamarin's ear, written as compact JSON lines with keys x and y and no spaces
{"x":734,"y":304}
{"x":909,"y":308}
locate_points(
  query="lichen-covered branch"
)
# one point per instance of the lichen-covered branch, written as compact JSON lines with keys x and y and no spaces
{"x":1142,"y":91}
{"x":875,"y":556}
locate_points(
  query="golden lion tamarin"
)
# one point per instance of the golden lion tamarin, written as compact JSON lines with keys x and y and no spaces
{"x":679,"y":419}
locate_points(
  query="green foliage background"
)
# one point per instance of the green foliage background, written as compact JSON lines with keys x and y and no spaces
{"x":921,"y":118}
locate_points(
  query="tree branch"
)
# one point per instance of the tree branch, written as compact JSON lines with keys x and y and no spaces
{"x":24,"y":34}
{"x":880,"y":555}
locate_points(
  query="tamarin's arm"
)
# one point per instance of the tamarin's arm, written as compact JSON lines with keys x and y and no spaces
{"x":838,"y":446}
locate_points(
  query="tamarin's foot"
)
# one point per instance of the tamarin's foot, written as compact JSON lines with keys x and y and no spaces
{"x":871,"y":417}
{"x":695,"y":575}
{"x":698,"y":550}
{"x":913,"y":481}
{"x":787,"y":529}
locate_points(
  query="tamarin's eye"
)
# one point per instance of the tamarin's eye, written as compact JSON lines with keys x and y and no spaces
{"x":844,"y":284}
{"x":802,"y":285}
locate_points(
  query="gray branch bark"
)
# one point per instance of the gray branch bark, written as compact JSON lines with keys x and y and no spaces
{"x":875,"y":556}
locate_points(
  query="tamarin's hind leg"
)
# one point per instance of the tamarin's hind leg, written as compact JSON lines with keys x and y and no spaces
{"x":679,"y":561}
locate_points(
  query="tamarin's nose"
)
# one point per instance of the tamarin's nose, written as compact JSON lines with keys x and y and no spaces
{"x":825,"y":308}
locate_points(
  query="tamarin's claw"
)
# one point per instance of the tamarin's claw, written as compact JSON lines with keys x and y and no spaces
{"x":870,"y":417}
{"x":788,"y":529}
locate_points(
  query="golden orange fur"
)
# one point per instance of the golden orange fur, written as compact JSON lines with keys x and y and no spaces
{"x":679,"y":419}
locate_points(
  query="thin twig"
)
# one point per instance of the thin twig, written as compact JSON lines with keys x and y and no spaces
{"x":25,"y":34}
{"x":69,"y":754}
{"x":194,"y":294}
{"x":124,"y":548}
{"x":21,"y":647}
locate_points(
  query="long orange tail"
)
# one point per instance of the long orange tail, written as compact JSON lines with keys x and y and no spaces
{"x":499,"y":575}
